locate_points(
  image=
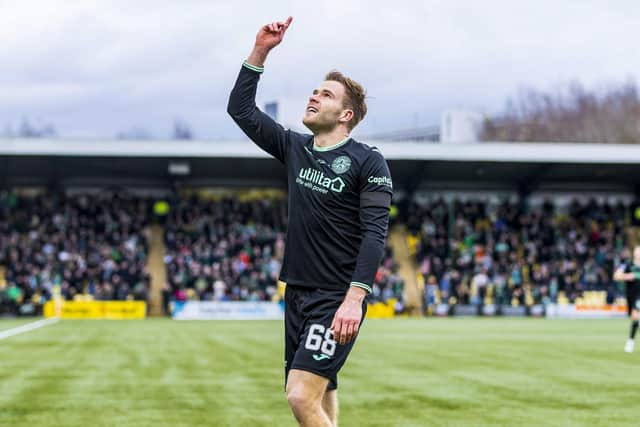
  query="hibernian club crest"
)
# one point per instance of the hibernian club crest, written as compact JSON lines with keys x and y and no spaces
{"x":341,"y":164}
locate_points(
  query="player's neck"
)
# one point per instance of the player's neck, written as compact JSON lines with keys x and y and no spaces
{"x":328,"y":139}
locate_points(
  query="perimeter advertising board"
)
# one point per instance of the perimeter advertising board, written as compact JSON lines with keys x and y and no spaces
{"x":578,"y":311}
{"x":258,"y":310}
{"x":115,"y":310}
{"x":227,"y":310}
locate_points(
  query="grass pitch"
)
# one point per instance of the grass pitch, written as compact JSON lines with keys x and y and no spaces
{"x":404,"y":372}
{"x":14,"y":323}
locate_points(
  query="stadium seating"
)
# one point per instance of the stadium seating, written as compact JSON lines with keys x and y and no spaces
{"x":473,"y":252}
{"x":225,"y":249}
{"x":97,"y":247}
{"x":91,"y":246}
{"x":231,"y":249}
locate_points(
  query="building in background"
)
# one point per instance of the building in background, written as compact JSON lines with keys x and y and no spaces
{"x":460,"y":127}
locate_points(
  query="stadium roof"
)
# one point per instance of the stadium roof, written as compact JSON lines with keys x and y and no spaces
{"x":478,"y":152}
{"x":523,"y":167}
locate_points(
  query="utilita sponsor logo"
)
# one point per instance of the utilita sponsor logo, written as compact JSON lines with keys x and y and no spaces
{"x":381,"y":180}
{"x":314,"y":176}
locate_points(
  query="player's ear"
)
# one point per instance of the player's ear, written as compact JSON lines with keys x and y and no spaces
{"x":346,"y":116}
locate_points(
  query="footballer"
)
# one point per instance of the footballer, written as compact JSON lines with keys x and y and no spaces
{"x":339,"y":193}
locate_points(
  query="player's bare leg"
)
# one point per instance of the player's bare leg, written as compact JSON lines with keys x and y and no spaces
{"x":330,"y":406}
{"x":635,"y":315}
{"x":305,"y":393}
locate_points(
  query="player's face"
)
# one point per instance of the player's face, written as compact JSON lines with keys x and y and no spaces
{"x":636,"y":255}
{"x":325,"y":109}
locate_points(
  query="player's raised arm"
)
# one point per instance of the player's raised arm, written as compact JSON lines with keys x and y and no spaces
{"x":259,"y":127}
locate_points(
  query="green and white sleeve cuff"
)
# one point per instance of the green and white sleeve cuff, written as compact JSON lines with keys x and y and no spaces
{"x":253,"y":67}
{"x":362,"y":285}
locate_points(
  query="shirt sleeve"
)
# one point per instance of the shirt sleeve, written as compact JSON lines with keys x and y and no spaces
{"x":376,"y":189}
{"x":258,"y":126}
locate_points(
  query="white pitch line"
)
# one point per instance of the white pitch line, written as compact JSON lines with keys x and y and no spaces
{"x":26,"y":328}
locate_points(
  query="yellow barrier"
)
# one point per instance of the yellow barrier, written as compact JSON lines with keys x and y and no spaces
{"x":125,"y":309}
{"x":97,"y":309}
{"x":381,"y":310}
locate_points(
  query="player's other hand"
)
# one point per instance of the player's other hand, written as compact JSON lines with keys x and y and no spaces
{"x":272,"y":34}
{"x":347,"y":319}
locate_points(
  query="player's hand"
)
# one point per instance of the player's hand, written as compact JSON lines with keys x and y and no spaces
{"x":272,"y":34}
{"x":347,"y":319}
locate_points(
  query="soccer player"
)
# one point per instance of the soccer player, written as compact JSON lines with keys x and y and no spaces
{"x":630,"y":274}
{"x":339,"y":196}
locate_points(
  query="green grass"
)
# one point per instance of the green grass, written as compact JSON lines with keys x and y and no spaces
{"x":14,"y":323}
{"x":405,"y":372}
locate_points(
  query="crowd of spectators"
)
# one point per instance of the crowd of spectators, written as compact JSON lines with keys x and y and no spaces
{"x":232,"y":250}
{"x":471,"y":252}
{"x":96,"y":247}
{"x":87,"y":246}
{"x":224,"y":250}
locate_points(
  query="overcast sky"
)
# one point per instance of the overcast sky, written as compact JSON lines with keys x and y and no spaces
{"x":94,"y":68}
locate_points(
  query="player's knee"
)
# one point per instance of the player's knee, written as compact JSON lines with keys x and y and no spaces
{"x":299,"y":401}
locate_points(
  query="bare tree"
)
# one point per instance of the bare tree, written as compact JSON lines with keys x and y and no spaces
{"x":571,"y":114}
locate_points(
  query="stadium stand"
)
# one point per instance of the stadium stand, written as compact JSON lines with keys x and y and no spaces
{"x":231,"y":249}
{"x":473,"y":252}
{"x":224,"y":250}
{"x":92,"y":246}
{"x":520,"y":170}
{"x":104,"y":247}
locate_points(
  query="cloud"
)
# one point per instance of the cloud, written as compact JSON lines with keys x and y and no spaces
{"x":98,"y":67}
